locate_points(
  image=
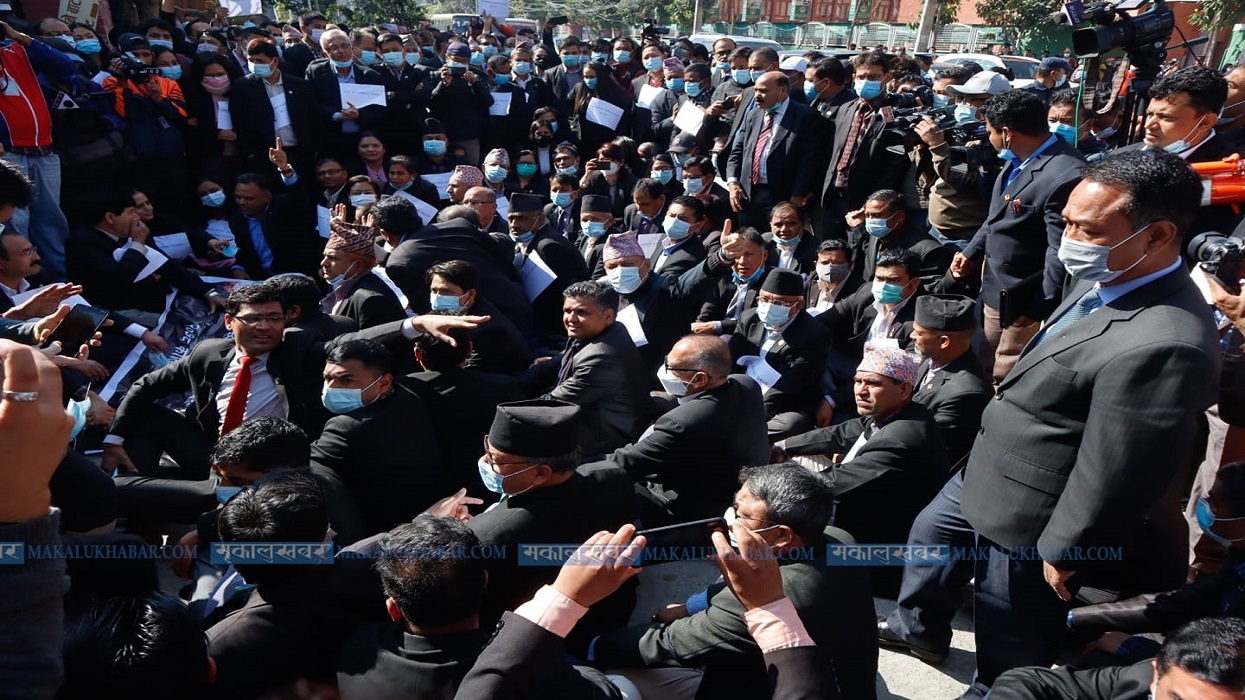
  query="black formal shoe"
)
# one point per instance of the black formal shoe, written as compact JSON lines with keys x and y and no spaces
{"x":891,"y":640}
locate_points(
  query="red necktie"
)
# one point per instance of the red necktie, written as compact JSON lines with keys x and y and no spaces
{"x":236,"y":410}
{"x":759,"y":152}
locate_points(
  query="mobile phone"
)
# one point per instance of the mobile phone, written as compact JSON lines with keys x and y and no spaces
{"x":1227,"y":271}
{"x":679,"y":542}
{"x":732,"y":101}
{"x":76,"y":329}
{"x":560,"y":19}
{"x":600,"y":165}
{"x":888,"y":114}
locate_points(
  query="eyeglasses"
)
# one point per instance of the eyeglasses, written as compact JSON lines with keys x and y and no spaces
{"x":488,"y":459}
{"x":772,"y":524}
{"x":679,"y":369}
{"x":478,"y":202}
{"x":256,"y":319}
{"x":776,"y":301}
{"x":30,"y":252}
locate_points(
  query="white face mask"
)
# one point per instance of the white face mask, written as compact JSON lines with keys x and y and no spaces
{"x":1088,"y":261}
{"x":670,"y":383}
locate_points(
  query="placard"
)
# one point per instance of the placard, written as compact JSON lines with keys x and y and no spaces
{"x":690,"y":118}
{"x":360,"y":95}
{"x":604,"y":113}
{"x":536,"y":275}
{"x":501,"y":104}
{"x":648,"y":94}
{"x":224,"y":120}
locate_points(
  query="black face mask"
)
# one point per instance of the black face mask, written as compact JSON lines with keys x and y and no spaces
{"x":544,"y":62}
{"x":543,"y":139}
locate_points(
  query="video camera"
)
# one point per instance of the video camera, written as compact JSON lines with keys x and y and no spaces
{"x":651,"y":30}
{"x":968,"y":141}
{"x":1113,"y":27}
{"x":136,"y":70}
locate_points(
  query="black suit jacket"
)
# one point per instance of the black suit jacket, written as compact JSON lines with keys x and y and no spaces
{"x":297,"y":57}
{"x":956,"y":394}
{"x":890,"y":479}
{"x":459,"y":240}
{"x":461,"y":404}
{"x":632,"y":218}
{"x":572,"y":229}
{"x":619,"y":197}
{"x":1068,"y":456}
{"x":689,"y":253}
{"x":718,"y":300}
{"x":387,"y":454}
{"x":873,"y":166}
{"x":328,"y":100}
{"x":793,"y":148}
{"x":935,"y":258}
{"x":383,"y":662}
{"x":1020,"y":238}
{"x":851,"y":319}
{"x":805,"y":258}
{"x":666,"y":303}
{"x":799,"y":356}
{"x":409,"y":92}
{"x":697,"y":448}
{"x":289,"y":227}
{"x":109,"y":284}
{"x":567,"y":263}
{"x":371,"y":303}
{"x":497,"y":345}
{"x":251,"y":112}
{"x":201,"y":373}
{"x":1111,"y":683}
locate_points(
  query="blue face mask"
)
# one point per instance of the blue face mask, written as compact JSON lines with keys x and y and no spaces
{"x":1206,"y":520}
{"x":594,"y":229}
{"x":1065,"y":131}
{"x":868,"y":89}
{"x":772,"y":315}
{"x":676,"y":229}
{"x":496,"y":482}
{"x":171,"y":72}
{"x":215,"y":200}
{"x":446,"y":302}
{"x":622,"y":56}
{"x":810,"y":91}
{"x":788,"y":242}
{"x":477,"y":58}
{"x":339,"y":401}
{"x":600,"y":57}
{"x":501,"y":79}
{"x":412,"y":59}
{"x":78,"y":410}
{"x":526,"y":169}
{"x":652,"y":64}
{"x":230,"y":251}
{"x":741,"y":76}
{"x":723,"y":67}
{"x":675,"y":84}
{"x":89,"y":47}
{"x":941,"y":101}
{"x":753,"y":278}
{"x":358,"y":200}
{"x":887,"y":293}
{"x":878,"y":228}
{"x":756,"y":75}
{"x":965,"y":114}
{"x":590,"y":83}
{"x":224,"y":493}
{"x":393,"y":59}
{"x":495,"y":173}
{"x":263,"y":70}
{"x":367,"y":58}
{"x":569,"y":170}
{"x":624,"y":280}
{"x":1182,"y":145}
{"x":489,"y":50}
{"x":160,"y":43}
{"x":562,"y":199}
{"x":522,"y":237}
{"x":206,"y":48}
{"x":692,"y":89}
{"x":553,"y":126}
{"x":571,"y":60}
{"x":340,"y":64}
{"x":522,"y":67}
{"x":434,"y":147}
{"x":662,"y":176}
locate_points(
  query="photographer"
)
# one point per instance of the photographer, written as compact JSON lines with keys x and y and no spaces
{"x":959,"y":197}
{"x":922,"y":176}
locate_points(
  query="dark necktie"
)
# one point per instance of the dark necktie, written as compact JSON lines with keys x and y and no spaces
{"x":235,"y":411}
{"x":1076,"y":312}
{"x":759,"y":152}
{"x":646,"y":226}
{"x":564,"y":221}
{"x":567,"y":357}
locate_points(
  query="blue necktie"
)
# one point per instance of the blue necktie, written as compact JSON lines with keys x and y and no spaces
{"x":1076,"y":312}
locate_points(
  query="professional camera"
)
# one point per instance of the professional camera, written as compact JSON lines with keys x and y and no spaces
{"x":136,"y":70}
{"x":1115,"y":28}
{"x":651,"y":30}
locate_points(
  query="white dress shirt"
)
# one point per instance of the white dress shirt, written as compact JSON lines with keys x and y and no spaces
{"x":262,"y":399}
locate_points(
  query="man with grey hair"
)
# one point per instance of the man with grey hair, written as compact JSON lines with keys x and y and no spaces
{"x":484,"y":201}
{"x":341,"y":127}
{"x":717,"y":427}
{"x":703,"y":649}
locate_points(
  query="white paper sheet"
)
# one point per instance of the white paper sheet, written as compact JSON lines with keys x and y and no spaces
{"x":536,"y":275}
{"x":604,"y":113}
{"x":224,"y":120}
{"x":361,"y":95}
{"x":26,"y":295}
{"x":323,"y":217}
{"x":649,"y":243}
{"x":154,"y":260}
{"x":503,"y":208}
{"x":501,"y":104}
{"x":439,"y":181}
{"x":630,"y":318}
{"x":690,"y":118}
{"x":648,"y":95}
{"x":427,"y":212}
{"x":384,"y":277}
{"x":499,"y":9}
{"x":280,"y":112}
{"x":760,"y":371}
{"x":174,"y":245}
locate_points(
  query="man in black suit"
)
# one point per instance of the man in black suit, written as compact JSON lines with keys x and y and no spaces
{"x":886,"y":464}
{"x":118,"y":265}
{"x":1020,"y":238}
{"x":860,"y":159}
{"x":832,"y":279}
{"x":563,"y":78}
{"x":312,"y":25}
{"x":600,"y":370}
{"x":533,"y":237}
{"x":781,"y":347}
{"x":774,"y":152}
{"x":341,"y":126}
{"x":597,"y":225}
{"x":647,"y":211}
{"x":275,"y":230}
{"x":700,"y":181}
{"x":461,"y":401}
{"x":727,"y":300}
{"x":305,"y":323}
{"x":895,"y":286}
{"x":1104,"y":470}
{"x":828,"y":77}
{"x":461,"y":101}
{"x":694,"y":450}
{"x":408,"y":91}
{"x":758,"y":62}
{"x":530,"y":458}
{"x":682,"y":249}
{"x":276,"y":380}
{"x":1180,"y":119}
{"x":563,"y":211}
{"x":274,"y":105}
{"x":886,"y":225}
{"x":456,"y":237}
{"x":358,"y":293}
{"x":792,"y":246}
{"x":788,"y":508}
{"x":497,"y":345}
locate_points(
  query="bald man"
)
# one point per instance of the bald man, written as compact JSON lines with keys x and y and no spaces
{"x":484,"y":201}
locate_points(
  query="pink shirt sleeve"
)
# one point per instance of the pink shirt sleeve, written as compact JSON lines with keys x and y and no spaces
{"x":552,"y":610}
{"x":777,"y":626}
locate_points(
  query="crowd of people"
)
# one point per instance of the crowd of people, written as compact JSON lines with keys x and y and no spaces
{"x":490,"y":304}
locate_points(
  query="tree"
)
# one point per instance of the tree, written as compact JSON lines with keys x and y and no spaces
{"x":1018,"y":15}
{"x":1214,"y":15}
{"x":359,"y":13}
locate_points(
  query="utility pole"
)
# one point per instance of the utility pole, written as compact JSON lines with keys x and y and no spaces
{"x":925,"y":33}
{"x":697,"y":16}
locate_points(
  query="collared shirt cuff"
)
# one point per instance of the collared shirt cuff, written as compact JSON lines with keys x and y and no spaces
{"x":830,"y":400}
{"x":291,"y":180}
{"x":408,"y":328}
{"x":777,"y":626}
{"x":717,"y":326}
{"x":731,"y":180}
{"x":698,"y":602}
{"x":113,"y":440}
{"x":135,"y":330}
{"x":552,"y":611}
